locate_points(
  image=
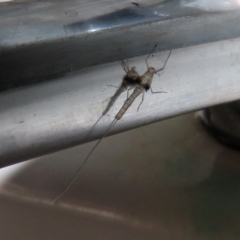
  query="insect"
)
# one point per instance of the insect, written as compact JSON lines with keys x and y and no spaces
{"x":144,"y":84}
{"x":130,"y":79}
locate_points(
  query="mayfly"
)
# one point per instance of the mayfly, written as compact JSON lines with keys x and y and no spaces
{"x":144,"y":84}
{"x":129,"y":80}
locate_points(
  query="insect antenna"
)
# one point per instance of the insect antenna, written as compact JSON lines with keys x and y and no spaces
{"x":146,"y":60}
{"x":92,"y":128}
{"x":83,"y":163}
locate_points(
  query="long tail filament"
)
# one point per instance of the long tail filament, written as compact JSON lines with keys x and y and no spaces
{"x":83,"y":163}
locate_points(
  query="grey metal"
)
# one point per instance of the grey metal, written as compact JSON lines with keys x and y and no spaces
{"x":42,"y":40}
{"x":45,"y":117}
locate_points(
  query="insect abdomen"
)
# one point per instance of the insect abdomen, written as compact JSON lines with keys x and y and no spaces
{"x":137,"y":91}
{"x":113,"y":99}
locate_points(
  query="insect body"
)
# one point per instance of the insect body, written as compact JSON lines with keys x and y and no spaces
{"x":129,"y":80}
{"x":144,"y":84}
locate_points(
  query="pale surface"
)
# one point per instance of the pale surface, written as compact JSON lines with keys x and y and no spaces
{"x":51,"y":116}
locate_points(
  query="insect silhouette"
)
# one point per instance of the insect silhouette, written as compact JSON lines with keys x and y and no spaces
{"x":145,"y":82}
{"x":129,"y":80}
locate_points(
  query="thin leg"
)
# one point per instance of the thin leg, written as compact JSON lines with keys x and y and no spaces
{"x":128,"y":92}
{"x":158,"y":70}
{"x":107,"y":99}
{"x":124,"y":66}
{"x":126,"y":63}
{"x":156,"y":92}
{"x":141,"y":101}
{"x":113,"y":95}
{"x":123,"y":63}
{"x":146,"y":60}
{"x":112,"y":86}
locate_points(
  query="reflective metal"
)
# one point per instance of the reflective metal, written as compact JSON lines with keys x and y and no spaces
{"x":50,"y":116}
{"x":69,"y":42}
{"x":40,"y":40}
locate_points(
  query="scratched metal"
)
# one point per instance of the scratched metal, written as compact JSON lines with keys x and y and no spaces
{"x":54,"y":115}
{"x":42,"y":40}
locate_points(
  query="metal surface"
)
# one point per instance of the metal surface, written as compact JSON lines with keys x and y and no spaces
{"x":64,"y":41}
{"x":50,"y":116}
{"x":40,"y":40}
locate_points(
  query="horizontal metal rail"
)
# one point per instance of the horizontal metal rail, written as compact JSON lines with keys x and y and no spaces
{"x":44,"y":117}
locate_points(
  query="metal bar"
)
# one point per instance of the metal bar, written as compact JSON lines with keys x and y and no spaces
{"x":50,"y":116}
{"x":40,"y":41}
{"x":66,"y":42}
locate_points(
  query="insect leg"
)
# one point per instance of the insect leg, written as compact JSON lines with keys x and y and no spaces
{"x":158,"y":70}
{"x":124,"y":66}
{"x":113,"y":86}
{"x":141,"y":101}
{"x":106,"y":99}
{"x":128,"y":91}
{"x":156,"y":92}
{"x":120,"y":88}
{"x":146,"y":60}
{"x":123,"y":63}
